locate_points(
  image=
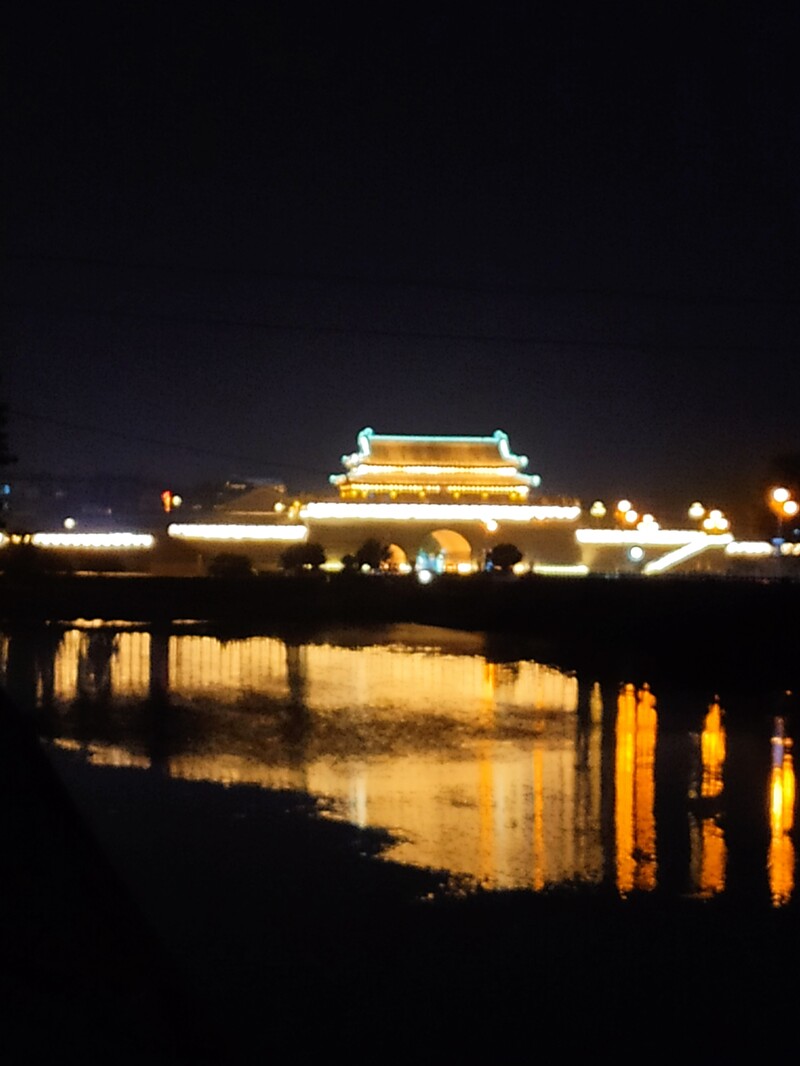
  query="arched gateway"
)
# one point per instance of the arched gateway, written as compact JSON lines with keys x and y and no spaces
{"x":442,"y":503}
{"x":445,"y":551}
{"x":444,"y":500}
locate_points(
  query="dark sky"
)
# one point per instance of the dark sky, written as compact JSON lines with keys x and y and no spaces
{"x":236,"y":234}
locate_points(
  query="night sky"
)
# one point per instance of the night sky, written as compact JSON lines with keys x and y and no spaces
{"x":236,"y":234}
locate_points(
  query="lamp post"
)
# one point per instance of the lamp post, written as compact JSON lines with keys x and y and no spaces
{"x":782,"y":506}
{"x":716,"y":522}
{"x":626,"y":516}
{"x":789,"y":509}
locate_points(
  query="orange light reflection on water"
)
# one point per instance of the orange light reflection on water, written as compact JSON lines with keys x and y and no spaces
{"x":483,"y":768}
{"x":713,"y":750}
{"x":709,"y":848}
{"x":781,"y":856}
{"x":636,"y":862}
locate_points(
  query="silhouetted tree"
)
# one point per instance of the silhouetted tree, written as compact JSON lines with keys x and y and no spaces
{"x":303,"y":557}
{"x":504,"y":556}
{"x":373,"y":554}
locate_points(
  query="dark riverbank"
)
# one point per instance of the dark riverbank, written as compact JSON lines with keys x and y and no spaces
{"x":127,"y":943}
{"x":660,"y":629}
{"x":124,"y":898}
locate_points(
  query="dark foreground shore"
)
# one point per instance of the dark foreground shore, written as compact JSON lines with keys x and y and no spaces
{"x":122,"y":943}
{"x":127,"y":953}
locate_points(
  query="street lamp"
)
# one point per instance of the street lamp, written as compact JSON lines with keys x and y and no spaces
{"x":716,"y":522}
{"x":782,"y":506}
{"x":647,"y":524}
{"x":626,"y":514}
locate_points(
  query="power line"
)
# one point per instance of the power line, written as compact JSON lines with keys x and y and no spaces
{"x":416,"y":282}
{"x":399,"y":334}
{"x":154,"y":441}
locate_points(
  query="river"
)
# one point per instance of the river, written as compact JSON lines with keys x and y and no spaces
{"x":453,"y":769}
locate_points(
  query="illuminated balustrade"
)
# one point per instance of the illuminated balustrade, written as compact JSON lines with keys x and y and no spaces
{"x":415,"y":470}
{"x":560,"y":569}
{"x":93,"y":540}
{"x":749,"y":547}
{"x":361,"y":489}
{"x":237,"y":532}
{"x":654,"y":538}
{"x":686,"y":551}
{"x":684,"y":542}
{"x":440,"y":512}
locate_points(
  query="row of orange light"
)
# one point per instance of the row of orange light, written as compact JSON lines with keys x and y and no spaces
{"x":713,"y":521}
{"x":626,"y":514}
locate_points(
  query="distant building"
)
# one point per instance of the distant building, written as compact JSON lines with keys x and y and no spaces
{"x":441,"y":503}
{"x":433,"y":504}
{"x":242,"y":497}
{"x":96,"y":502}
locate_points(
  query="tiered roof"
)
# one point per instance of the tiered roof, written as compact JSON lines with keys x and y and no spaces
{"x":444,"y":467}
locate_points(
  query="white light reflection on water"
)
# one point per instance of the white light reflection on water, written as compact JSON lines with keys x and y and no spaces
{"x":503,"y":773}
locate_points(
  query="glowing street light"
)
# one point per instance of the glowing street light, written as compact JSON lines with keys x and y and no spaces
{"x":716,"y":522}
{"x":626,"y":514}
{"x":697,"y":511}
{"x":648,"y":524}
{"x":782,"y":506}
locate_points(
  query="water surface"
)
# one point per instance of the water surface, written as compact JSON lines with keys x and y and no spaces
{"x":501,"y":773}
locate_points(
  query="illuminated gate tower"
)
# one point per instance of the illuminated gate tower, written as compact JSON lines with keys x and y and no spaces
{"x":446,"y":469}
{"x":441,"y":502}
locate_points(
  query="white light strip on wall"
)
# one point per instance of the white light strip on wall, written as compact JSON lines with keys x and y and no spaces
{"x":402,"y":468}
{"x":356,"y":488}
{"x":93,"y":540}
{"x":439,"y":512}
{"x":749,"y":547}
{"x":561,"y":569}
{"x":231,"y":531}
{"x":658,"y":538}
{"x":666,"y":562}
